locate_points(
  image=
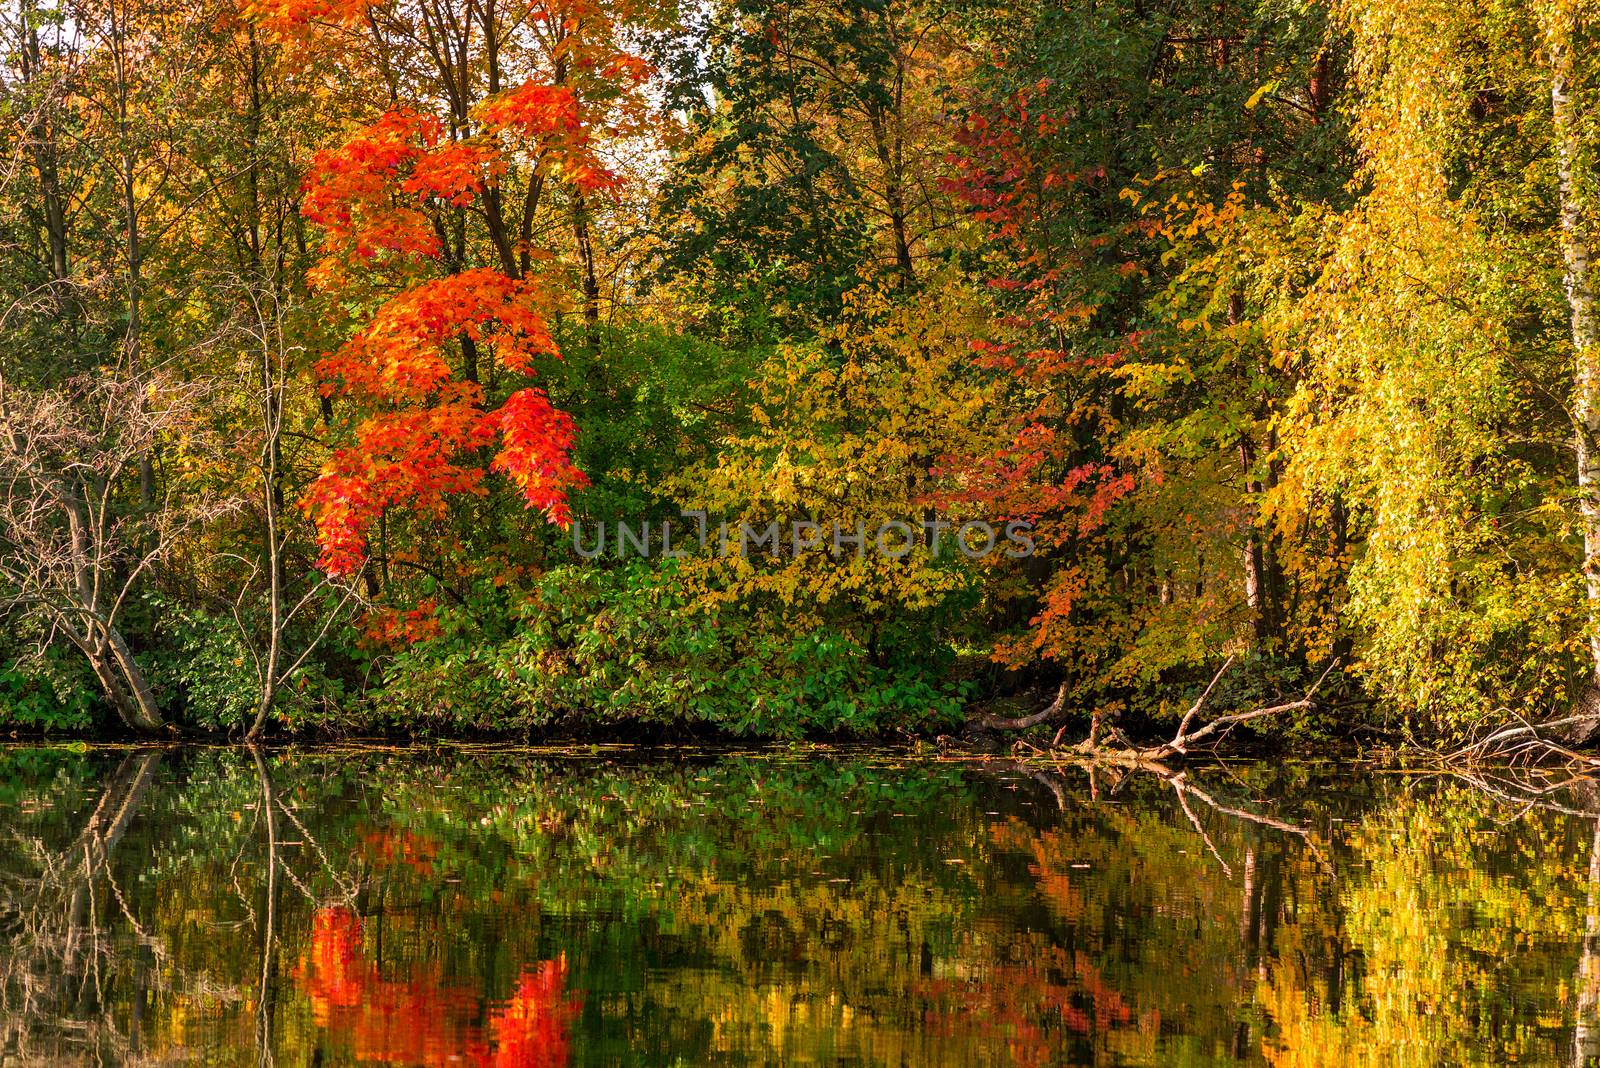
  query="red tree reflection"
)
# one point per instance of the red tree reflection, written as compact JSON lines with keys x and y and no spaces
{"x":424,"y":1022}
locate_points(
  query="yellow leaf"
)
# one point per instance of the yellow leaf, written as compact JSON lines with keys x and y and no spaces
{"x":1255,"y":97}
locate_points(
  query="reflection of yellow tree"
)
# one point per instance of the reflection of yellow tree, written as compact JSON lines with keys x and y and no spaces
{"x":1454,"y":918}
{"x":813,"y":970}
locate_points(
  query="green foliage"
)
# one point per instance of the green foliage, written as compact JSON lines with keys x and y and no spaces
{"x":625,"y":645}
{"x":203,"y":667}
{"x":206,"y":676}
{"x":49,"y":691}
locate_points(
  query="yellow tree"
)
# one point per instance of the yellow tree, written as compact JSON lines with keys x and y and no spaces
{"x":1436,"y":367}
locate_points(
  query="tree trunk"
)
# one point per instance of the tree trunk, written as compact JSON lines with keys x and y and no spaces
{"x":141,"y":713}
{"x":1586,"y":1025}
{"x":894,"y":195}
{"x":121,"y":678}
{"x":32,"y":66}
{"x":119,"y":801}
{"x":266,"y":990}
{"x":272,"y":502}
{"x":1576,"y":253}
{"x":106,"y":674}
{"x":585,"y":243}
{"x":1260,"y":589}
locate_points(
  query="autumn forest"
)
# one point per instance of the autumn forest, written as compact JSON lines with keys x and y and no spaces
{"x":779,"y":369}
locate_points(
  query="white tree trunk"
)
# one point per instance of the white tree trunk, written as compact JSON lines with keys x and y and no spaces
{"x":1576,"y":253}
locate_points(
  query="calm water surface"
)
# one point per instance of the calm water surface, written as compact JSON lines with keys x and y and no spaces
{"x":495,"y":908}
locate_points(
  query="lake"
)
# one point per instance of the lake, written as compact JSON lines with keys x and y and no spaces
{"x":493,"y":907}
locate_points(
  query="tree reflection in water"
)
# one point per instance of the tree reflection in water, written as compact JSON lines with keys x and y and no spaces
{"x":424,"y":1021}
{"x":499,"y":909}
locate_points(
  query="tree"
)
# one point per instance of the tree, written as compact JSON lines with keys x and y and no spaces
{"x":1567,"y":35}
{"x":419,"y":239}
{"x":1435,"y":370}
{"x":78,"y":536}
{"x":1144,"y":384}
{"x":275,"y":660}
{"x":91,"y":378}
{"x":814,"y":152}
{"x":849,"y":461}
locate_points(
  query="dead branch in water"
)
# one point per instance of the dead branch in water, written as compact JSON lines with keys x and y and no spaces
{"x":1111,"y":745}
{"x":1194,"y":801}
{"x":1520,"y":743}
{"x":1524,"y":743}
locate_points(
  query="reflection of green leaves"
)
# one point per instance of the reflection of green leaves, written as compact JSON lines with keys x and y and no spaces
{"x":795,"y":906}
{"x":614,"y":829}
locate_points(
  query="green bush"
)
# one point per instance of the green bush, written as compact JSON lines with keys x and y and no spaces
{"x":52,"y":691}
{"x":204,"y":675}
{"x":610,"y":647}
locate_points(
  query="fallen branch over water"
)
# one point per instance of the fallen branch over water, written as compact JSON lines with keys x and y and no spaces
{"x":1113,"y":746}
{"x":1186,"y":740}
{"x":1521,"y":743}
{"x":1524,"y":743}
{"x":1021,"y":723}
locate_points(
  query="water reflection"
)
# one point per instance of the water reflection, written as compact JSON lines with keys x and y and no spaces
{"x":497,"y":909}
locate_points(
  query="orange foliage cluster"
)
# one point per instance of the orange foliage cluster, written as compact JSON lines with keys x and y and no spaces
{"x":289,"y":16}
{"x":423,"y":1022}
{"x":402,"y":457}
{"x":407,"y":457}
{"x":350,"y":191}
{"x":549,"y":115}
{"x":415,"y":851}
{"x":534,"y":110}
{"x":369,"y":196}
{"x":1022,"y":1004}
{"x":455,"y":173}
{"x":378,"y":198}
{"x":397,"y":627}
{"x":538,"y":439}
{"x":399,"y":353}
{"x":1023,"y":481}
{"x":1001,"y":176}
